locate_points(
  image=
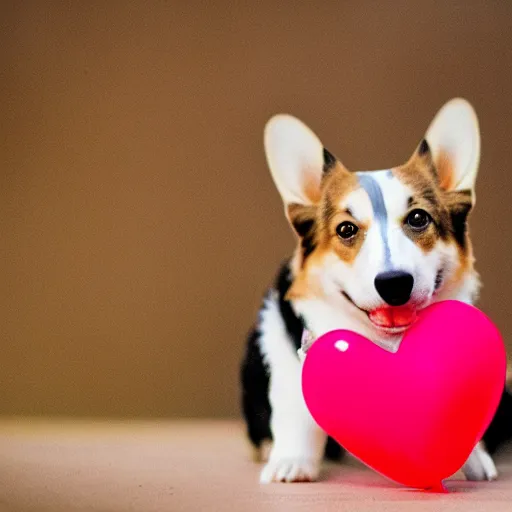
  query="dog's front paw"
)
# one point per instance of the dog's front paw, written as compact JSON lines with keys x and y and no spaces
{"x":282,"y":469}
{"x":480,"y":466}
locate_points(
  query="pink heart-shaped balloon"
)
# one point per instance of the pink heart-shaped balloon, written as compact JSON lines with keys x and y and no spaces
{"x":413,"y":416}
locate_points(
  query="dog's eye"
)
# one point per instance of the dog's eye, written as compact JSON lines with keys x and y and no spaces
{"x":346,"y":230}
{"x":418,"y":220}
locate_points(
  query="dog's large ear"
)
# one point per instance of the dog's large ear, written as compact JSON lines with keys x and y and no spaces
{"x":451,"y":148}
{"x":295,"y":157}
{"x":297,"y":162}
{"x":453,"y":138}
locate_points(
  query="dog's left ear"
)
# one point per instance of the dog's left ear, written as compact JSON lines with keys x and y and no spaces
{"x":453,"y":138}
{"x":298,"y":163}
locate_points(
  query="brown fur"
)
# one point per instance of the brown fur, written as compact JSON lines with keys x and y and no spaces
{"x":432,"y":193}
{"x":338,"y":184}
{"x":316,"y":224}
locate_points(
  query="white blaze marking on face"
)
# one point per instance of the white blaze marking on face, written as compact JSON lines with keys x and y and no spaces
{"x":381,"y":201}
{"x":395,"y":196}
{"x":372,"y":187}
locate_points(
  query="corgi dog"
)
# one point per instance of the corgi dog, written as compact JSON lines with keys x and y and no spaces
{"x":373,"y":249}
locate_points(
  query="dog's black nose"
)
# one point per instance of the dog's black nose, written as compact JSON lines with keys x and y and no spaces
{"x":394,"y":287}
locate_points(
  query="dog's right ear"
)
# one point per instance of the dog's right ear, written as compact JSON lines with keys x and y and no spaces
{"x":296,"y":159}
{"x":297,"y":162}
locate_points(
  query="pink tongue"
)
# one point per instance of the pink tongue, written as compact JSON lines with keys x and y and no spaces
{"x":398,"y":316}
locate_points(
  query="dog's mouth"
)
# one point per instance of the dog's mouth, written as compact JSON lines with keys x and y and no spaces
{"x":389,"y":319}
{"x":393,"y":319}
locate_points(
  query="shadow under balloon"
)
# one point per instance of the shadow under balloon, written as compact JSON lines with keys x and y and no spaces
{"x":355,"y":474}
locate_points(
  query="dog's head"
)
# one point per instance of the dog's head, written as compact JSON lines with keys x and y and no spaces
{"x":382,"y":244}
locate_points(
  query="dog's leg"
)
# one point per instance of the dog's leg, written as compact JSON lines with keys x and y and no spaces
{"x":480,"y":465}
{"x":298,"y":442}
{"x":255,"y":401}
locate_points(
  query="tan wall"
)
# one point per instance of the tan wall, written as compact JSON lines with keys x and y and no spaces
{"x":138,"y":222}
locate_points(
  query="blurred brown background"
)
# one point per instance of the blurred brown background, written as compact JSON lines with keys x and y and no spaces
{"x":139,"y":225}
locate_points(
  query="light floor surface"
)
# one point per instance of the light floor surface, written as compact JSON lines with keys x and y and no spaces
{"x":178,"y":466}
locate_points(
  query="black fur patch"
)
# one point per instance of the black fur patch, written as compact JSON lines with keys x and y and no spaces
{"x":500,"y":429}
{"x":333,"y":450}
{"x":425,"y":154}
{"x":308,"y":244}
{"x":329,"y":161}
{"x":459,"y":211}
{"x":303,"y":226}
{"x":423,"y":148}
{"x":294,"y":325}
{"x":304,"y":223}
{"x":439,"y":279}
{"x":255,"y":383}
{"x":306,"y":231}
{"x":459,"y":225}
